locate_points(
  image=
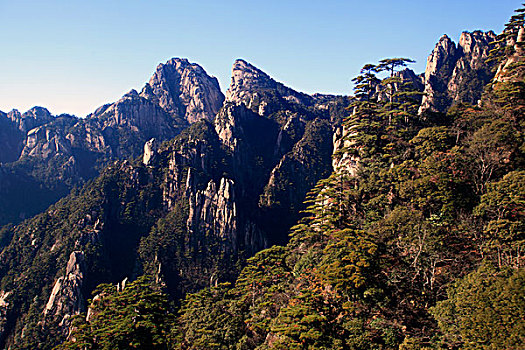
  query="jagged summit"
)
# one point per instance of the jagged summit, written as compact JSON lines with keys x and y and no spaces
{"x":131,"y":93}
{"x":249,"y":83}
{"x":457,"y":73}
{"x":184,"y":90}
{"x":475,"y":42}
{"x":30,"y":119}
{"x":67,"y":150}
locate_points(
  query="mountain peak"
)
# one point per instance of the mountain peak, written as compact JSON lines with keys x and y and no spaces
{"x":131,"y":93}
{"x":241,"y":64}
{"x":475,"y":42}
{"x":246,"y":74}
{"x":249,"y":84}
{"x":184,"y":90}
{"x":450,"y":70}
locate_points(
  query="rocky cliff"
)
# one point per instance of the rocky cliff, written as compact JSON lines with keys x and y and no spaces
{"x":184,"y":90}
{"x":514,"y":40}
{"x":66,"y":299}
{"x":457,"y":73}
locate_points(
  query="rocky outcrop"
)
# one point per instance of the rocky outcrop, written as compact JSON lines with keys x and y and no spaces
{"x":515,"y":41}
{"x":440,"y":65}
{"x":297,"y":172}
{"x":131,"y":121}
{"x":150,"y":151}
{"x":31,"y":119}
{"x":66,"y":298}
{"x":457,"y":73}
{"x":407,"y":77}
{"x":44,"y":142}
{"x":259,"y":92}
{"x":230,"y":124}
{"x":184,"y":90}
{"x":4,"y":309}
{"x":471,"y":72}
{"x":214,"y":211}
{"x":416,"y":80}
{"x":344,"y":161}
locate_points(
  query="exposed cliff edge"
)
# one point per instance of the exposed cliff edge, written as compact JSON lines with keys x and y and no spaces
{"x":66,"y":299}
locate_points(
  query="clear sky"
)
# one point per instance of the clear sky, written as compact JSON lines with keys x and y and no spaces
{"x":72,"y":56}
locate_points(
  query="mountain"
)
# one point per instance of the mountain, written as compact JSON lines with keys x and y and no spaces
{"x":185,"y":90}
{"x":189,"y":211}
{"x":412,"y":242}
{"x":44,"y":156}
{"x":14,"y":128}
{"x":50,"y":155}
{"x":194,"y":189}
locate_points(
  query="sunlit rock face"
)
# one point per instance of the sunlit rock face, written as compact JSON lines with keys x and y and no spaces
{"x":516,"y":43}
{"x":457,"y":73}
{"x":184,"y":90}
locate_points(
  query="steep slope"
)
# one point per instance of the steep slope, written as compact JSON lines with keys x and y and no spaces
{"x":53,"y":154}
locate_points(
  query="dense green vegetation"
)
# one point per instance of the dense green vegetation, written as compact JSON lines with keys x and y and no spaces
{"x":133,"y":317}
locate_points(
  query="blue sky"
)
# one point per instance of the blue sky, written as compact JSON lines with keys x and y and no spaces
{"x":73,"y":56}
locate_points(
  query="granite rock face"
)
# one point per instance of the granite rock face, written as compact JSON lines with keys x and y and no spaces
{"x":214,"y":210}
{"x":344,"y":162}
{"x":457,"y":73}
{"x":184,"y":90}
{"x":256,"y":90}
{"x":150,"y":151}
{"x":66,"y":297}
{"x":516,"y":43}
